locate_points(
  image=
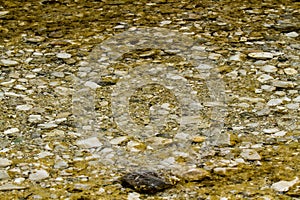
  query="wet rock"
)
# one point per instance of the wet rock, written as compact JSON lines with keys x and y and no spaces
{"x":250,"y":154}
{"x":145,"y":182}
{"x":284,"y":186}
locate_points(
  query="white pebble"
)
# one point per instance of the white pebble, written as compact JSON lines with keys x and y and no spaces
{"x":11,"y":131}
{"x":261,"y":55}
{"x":63,"y":55}
{"x":292,"y":34}
{"x":284,"y":186}
{"x":24,"y":107}
{"x":8,"y":63}
{"x":39,"y":175}
{"x":274,"y":102}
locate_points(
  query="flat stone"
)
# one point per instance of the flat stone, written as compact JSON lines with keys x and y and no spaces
{"x":4,"y":175}
{"x":34,"y":118}
{"x":284,"y":186}
{"x":11,"y":131}
{"x":274,"y":102}
{"x":8,"y":63}
{"x":61,"y":164}
{"x":35,"y":39}
{"x":39,"y":175}
{"x":63,"y":55}
{"x":269,"y":68}
{"x":118,"y":140}
{"x":24,"y":107}
{"x":270,"y":130}
{"x":250,"y":154}
{"x":196,"y":174}
{"x":89,"y":143}
{"x":292,"y":106}
{"x":283,"y":84}
{"x":264,"y":77}
{"x":261,"y":55}
{"x":47,"y":125}
{"x":292,"y":34}
{"x":4,"y":162}
{"x":133,"y":196}
{"x":9,"y":186}
{"x":2,"y":13}
{"x":290,"y":71}
{"x":91,"y":84}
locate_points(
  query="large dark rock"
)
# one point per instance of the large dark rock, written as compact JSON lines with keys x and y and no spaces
{"x":148,"y":182}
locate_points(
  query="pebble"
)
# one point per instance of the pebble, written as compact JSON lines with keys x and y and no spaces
{"x":283,"y":84}
{"x":11,"y":131}
{"x":284,"y":186}
{"x":269,"y":68}
{"x":39,"y":175}
{"x":63,"y":55}
{"x":9,"y":186}
{"x":8,"y":63}
{"x":89,"y":143}
{"x":61,"y":164}
{"x":292,"y":106}
{"x":91,"y":84}
{"x":133,"y":196}
{"x":270,"y":130}
{"x":34,"y":118}
{"x":261,"y":55}
{"x":24,"y":107}
{"x":274,"y":102}
{"x":166,"y":22}
{"x":290,"y":71}
{"x":264,"y":78}
{"x":279,"y":133}
{"x":4,"y":162}
{"x":35,"y":39}
{"x":2,"y":13}
{"x":118,"y":140}
{"x":250,"y":154}
{"x":4,"y":175}
{"x":47,"y":126}
{"x":236,"y":57}
{"x":292,"y":34}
